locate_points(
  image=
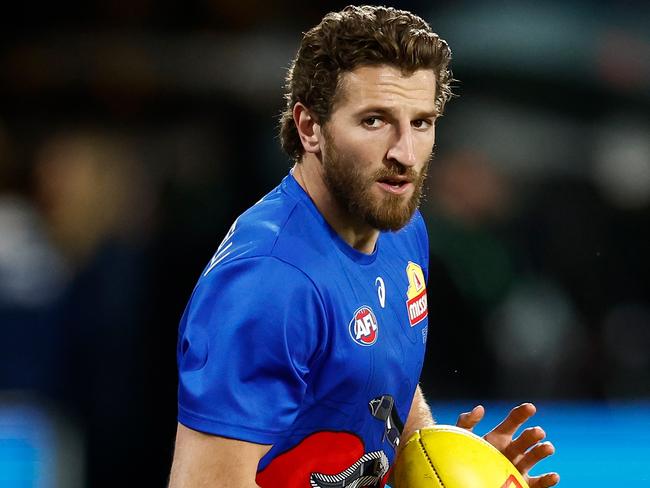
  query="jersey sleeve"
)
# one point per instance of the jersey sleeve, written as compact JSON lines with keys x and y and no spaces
{"x":248,"y":338}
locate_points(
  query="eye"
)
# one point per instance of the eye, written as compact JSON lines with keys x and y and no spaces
{"x":422,"y":123}
{"x":373,"y":122}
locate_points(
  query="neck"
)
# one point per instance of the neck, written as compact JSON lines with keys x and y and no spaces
{"x":357,"y":233}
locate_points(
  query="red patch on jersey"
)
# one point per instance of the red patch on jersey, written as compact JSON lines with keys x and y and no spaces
{"x":323,"y":452}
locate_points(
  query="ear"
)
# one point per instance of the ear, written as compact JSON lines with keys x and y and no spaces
{"x":308,"y":128}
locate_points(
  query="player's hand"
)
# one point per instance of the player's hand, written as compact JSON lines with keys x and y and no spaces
{"x":524,"y":451}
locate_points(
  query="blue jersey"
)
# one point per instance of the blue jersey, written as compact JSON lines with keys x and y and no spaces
{"x":295,"y":339}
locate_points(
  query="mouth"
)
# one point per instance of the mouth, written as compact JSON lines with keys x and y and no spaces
{"x":396,"y":185}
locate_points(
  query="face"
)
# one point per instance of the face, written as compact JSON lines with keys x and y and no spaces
{"x":378,"y":143}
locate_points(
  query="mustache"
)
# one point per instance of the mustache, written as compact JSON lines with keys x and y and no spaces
{"x":395,"y":170}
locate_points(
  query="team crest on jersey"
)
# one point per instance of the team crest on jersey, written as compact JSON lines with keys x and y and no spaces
{"x":416,"y":303}
{"x":363,"y":326}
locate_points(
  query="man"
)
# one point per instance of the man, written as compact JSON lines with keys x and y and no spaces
{"x":301,"y":348}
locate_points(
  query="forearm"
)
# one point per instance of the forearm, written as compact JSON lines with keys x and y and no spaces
{"x":184,"y":476}
{"x":208,"y":461}
{"x":419,"y":416}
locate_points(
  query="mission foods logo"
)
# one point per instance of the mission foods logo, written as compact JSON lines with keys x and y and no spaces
{"x":416,"y":304}
{"x":363,"y":327}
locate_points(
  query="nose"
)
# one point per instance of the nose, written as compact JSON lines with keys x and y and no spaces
{"x":403,"y":148}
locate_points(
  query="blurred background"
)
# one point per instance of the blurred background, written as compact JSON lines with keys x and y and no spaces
{"x":133,"y":133}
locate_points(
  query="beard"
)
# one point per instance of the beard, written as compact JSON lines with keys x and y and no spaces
{"x":353,"y":190}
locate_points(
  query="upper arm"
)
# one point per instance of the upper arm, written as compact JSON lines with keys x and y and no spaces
{"x":247,"y":342}
{"x":202,"y":461}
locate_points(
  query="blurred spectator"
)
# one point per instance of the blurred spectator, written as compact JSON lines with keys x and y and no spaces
{"x":93,"y":192}
{"x":621,"y":172}
{"x":32,"y":278}
{"x":471,"y":270}
{"x":540,"y":347}
{"x":98,"y":206}
{"x":595,"y":253}
{"x":514,"y":330}
{"x":622,"y":161}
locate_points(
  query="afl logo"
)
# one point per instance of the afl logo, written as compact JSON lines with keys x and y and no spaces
{"x":363,"y":327}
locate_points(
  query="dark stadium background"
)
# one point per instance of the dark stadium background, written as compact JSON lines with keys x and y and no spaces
{"x":133,"y":133}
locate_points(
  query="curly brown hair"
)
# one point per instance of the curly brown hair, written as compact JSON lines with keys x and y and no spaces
{"x":358,"y":36}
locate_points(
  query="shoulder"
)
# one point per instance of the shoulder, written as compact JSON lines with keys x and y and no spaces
{"x":255,"y":232}
{"x":253,"y":269}
{"x":280,"y":226}
{"x":255,"y":275}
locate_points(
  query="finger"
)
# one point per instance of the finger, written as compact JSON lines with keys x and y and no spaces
{"x":544,"y":481}
{"x":534,"y":455}
{"x":515,"y":419}
{"x":528,"y":438}
{"x":468,"y":420}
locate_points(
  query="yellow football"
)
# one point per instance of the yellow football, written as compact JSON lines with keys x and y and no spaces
{"x":445,"y":456}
